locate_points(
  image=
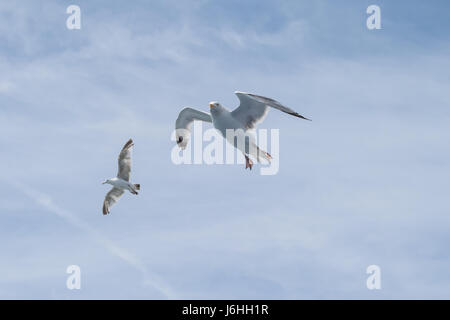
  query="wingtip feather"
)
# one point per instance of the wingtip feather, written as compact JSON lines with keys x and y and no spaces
{"x":128,"y":144}
{"x":105,"y":209}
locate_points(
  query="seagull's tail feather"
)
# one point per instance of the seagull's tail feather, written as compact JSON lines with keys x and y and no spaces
{"x":137,"y":186}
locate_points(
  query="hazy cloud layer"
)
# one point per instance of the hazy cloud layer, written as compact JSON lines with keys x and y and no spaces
{"x":364,"y":183}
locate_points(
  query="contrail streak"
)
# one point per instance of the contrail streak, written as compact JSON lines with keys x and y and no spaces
{"x":46,"y":201}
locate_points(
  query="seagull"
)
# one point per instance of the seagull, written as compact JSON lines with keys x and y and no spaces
{"x":122,"y":181}
{"x":251,"y":111}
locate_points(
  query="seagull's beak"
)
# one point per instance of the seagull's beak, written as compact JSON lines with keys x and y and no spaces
{"x":211,"y":105}
{"x":103,"y":182}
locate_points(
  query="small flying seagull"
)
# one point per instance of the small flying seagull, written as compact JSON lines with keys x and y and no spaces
{"x":122,"y":181}
{"x":251,"y":111}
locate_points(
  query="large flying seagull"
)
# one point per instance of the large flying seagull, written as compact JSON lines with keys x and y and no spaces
{"x":251,"y":111}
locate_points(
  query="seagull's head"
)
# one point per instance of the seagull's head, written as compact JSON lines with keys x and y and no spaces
{"x":215,"y":107}
{"x":213,"y":104}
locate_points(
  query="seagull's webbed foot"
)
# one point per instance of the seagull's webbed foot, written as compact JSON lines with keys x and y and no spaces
{"x":248,"y":163}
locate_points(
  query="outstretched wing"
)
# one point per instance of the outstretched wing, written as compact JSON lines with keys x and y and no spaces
{"x":253,"y":109}
{"x":111,"y":198}
{"x":184,"y":122}
{"x":125,"y":161}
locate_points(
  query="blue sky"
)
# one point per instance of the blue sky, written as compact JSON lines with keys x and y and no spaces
{"x":365,"y":183}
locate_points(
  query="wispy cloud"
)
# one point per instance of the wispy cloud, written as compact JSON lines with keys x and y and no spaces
{"x":45,"y":201}
{"x":365,"y":183}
